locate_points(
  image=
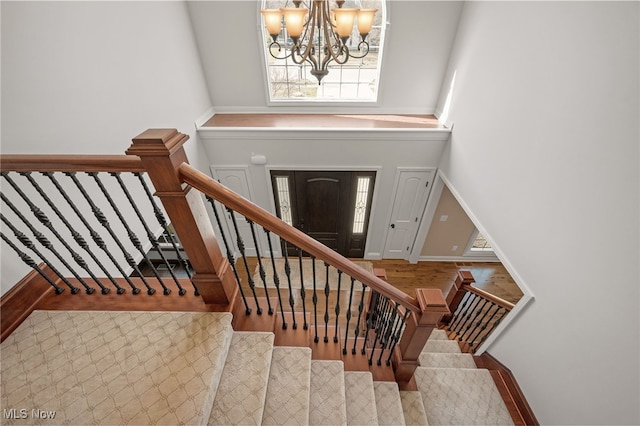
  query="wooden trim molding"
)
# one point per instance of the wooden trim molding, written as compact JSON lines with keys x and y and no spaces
{"x":509,"y":388}
{"x":70,"y":163}
{"x":22,"y":299}
{"x":490,"y":297}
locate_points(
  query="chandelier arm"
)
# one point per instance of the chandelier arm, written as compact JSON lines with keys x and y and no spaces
{"x":366,"y":52}
{"x":339,"y":46}
{"x":276,"y":44}
{"x":304,"y":51}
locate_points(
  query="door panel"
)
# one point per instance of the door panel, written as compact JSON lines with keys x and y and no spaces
{"x":412,"y":189}
{"x":322,"y":205}
{"x":322,"y":199}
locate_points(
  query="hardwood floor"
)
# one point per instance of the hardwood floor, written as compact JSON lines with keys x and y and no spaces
{"x":490,"y":276}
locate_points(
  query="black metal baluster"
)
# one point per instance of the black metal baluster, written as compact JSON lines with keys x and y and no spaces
{"x":287,"y":272}
{"x":75,"y":234}
{"x":132,"y":236}
{"x":472,"y":307}
{"x":461,"y":308}
{"x":30,"y":262}
{"x":315,"y":299}
{"x":397,"y":335}
{"x":276,"y":279}
{"x":477,"y":312}
{"x":165,"y":226}
{"x":44,"y":220}
{"x":335,"y":337}
{"x":102,"y":219}
{"x":396,"y":324}
{"x":370,"y":320}
{"x":348,"y":315}
{"x":263,"y":275}
{"x":387,"y":336}
{"x":150,"y":236}
{"x":241,"y":248}
{"x":94,"y":235}
{"x":303,"y":292}
{"x":377,"y":325}
{"x":45,"y":242}
{"x":327,"y":291}
{"x":483,"y":323}
{"x":380,"y":324}
{"x":230,"y":257}
{"x":493,"y":327}
{"x":356,"y":332}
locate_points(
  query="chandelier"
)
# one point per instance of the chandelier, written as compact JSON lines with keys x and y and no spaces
{"x":319,"y":35}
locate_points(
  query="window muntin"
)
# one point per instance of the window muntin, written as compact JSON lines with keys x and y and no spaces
{"x":355,"y":81}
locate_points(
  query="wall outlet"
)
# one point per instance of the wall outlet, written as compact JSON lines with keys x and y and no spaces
{"x":444,"y":218}
{"x":454,"y":248}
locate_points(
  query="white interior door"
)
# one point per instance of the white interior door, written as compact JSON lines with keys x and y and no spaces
{"x":236,"y":179}
{"x":411,"y":192}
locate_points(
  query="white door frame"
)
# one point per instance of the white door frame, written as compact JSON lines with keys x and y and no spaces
{"x":413,"y":246}
{"x":427,"y":218}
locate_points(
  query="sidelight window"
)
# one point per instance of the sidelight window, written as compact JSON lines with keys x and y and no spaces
{"x":284,"y":198}
{"x":362,"y":196}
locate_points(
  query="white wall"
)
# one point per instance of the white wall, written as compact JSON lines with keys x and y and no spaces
{"x":420,"y":36}
{"x":328,"y":150}
{"x":545,"y":154}
{"x":87,"y":77}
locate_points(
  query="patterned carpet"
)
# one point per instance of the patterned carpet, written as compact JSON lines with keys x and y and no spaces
{"x":97,"y":368}
{"x":142,"y":368}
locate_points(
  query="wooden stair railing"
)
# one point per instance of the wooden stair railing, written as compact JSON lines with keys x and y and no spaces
{"x":165,"y":161}
{"x":64,"y":214}
{"x":474,"y":313}
{"x":403,"y":321}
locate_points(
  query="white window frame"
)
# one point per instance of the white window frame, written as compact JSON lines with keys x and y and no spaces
{"x":470,"y":252}
{"x":310,"y":103}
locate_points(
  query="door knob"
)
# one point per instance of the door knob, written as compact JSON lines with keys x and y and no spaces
{"x":393,"y":225}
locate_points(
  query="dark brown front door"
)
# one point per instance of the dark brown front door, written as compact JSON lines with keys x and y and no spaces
{"x":322,"y":204}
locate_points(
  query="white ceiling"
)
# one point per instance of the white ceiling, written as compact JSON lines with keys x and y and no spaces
{"x":420,"y":36}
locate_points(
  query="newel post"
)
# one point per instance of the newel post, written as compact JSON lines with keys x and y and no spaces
{"x":456,"y":294}
{"x":417,"y":331}
{"x":161,"y":152}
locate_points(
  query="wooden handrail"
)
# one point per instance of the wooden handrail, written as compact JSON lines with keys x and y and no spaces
{"x":257,"y":214}
{"x":70,"y":163}
{"x":490,"y":297}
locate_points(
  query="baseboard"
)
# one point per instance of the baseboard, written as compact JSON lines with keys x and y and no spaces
{"x":458,"y":259}
{"x":523,"y":408}
{"x":22,"y":299}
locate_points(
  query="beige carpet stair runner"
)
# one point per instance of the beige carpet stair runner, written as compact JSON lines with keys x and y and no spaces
{"x":192,"y":368}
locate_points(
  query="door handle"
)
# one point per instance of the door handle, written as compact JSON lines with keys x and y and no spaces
{"x":393,"y":225}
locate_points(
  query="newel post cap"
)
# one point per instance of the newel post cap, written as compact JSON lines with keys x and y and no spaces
{"x":465,"y":278}
{"x":432,"y":300}
{"x":157,"y":142}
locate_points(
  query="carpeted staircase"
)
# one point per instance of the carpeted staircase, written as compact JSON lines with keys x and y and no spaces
{"x":192,"y":368}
